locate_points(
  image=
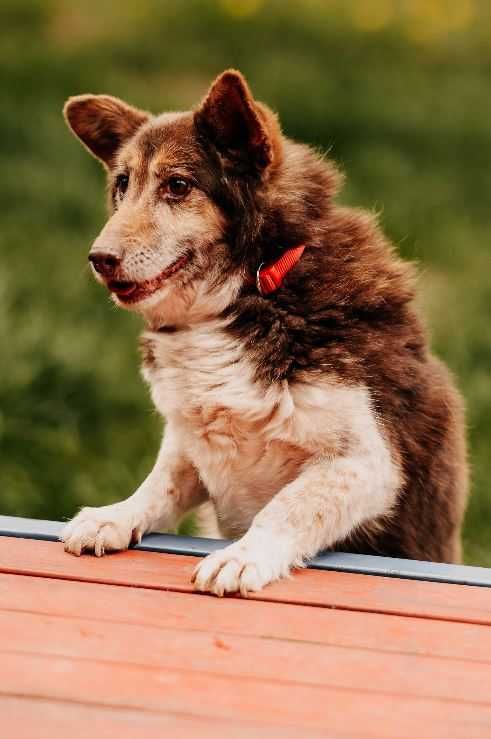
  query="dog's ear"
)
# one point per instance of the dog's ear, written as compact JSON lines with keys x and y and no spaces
{"x":102,"y":123}
{"x":244,"y":131}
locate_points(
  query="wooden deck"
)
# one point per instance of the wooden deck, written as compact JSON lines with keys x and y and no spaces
{"x":121,"y":645}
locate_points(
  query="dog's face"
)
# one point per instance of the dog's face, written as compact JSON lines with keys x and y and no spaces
{"x":179,"y":183}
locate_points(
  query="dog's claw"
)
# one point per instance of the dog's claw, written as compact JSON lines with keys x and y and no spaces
{"x":236,"y":569}
{"x":101,"y":530}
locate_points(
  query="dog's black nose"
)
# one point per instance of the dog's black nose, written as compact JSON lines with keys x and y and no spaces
{"x":105,"y":264}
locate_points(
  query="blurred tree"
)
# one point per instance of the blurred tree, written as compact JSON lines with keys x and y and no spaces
{"x":396,"y":90}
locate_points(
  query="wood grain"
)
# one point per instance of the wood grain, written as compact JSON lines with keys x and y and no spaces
{"x":121,"y":645}
{"x":277,"y":660}
{"x":182,"y":611}
{"x":240,"y":698}
{"x":463,"y":603}
{"x":30,"y":718}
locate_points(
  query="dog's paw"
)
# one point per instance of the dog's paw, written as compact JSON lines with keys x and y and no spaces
{"x":99,"y":530}
{"x":241,"y":567}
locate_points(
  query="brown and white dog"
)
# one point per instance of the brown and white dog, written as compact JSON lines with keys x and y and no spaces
{"x":310,"y":411}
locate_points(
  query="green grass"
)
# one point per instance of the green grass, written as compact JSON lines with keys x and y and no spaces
{"x":402,"y":100}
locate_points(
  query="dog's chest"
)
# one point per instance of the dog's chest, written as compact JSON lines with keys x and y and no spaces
{"x":239,"y":434}
{"x":199,"y":374}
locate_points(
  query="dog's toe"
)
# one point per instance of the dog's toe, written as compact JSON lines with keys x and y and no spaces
{"x":232,"y":570}
{"x":100,"y":530}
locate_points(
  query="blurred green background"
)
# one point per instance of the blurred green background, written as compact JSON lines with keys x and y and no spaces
{"x":399,"y":91}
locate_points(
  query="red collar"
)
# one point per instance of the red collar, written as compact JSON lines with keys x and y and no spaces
{"x":270,"y":278}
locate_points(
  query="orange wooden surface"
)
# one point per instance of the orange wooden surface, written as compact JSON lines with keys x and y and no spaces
{"x":325,"y":589}
{"x":122,"y":645}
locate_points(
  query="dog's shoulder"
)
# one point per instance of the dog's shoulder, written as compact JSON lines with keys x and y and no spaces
{"x":346,"y":309}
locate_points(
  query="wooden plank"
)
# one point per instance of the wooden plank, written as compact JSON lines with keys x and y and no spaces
{"x":251,"y":657}
{"x":31,"y":528}
{"x":343,"y":712}
{"x":329,"y":589}
{"x":29,"y":718}
{"x":178,"y":611}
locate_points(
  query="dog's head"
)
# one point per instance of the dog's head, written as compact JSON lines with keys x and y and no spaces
{"x":185,"y":192}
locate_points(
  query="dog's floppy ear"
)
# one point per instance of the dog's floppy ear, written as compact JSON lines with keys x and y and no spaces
{"x":102,"y":123}
{"x":243,"y":131}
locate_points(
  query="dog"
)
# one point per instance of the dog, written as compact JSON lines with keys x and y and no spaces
{"x":282,"y":346}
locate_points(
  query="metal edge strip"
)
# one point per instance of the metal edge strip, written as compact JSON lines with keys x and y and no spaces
{"x":30,"y":528}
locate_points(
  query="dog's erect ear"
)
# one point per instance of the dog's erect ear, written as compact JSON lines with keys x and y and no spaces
{"x":243,"y":130}
{"x":103,"y":123}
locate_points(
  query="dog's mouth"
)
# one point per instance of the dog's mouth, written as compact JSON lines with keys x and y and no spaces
{"x":130,"y":292}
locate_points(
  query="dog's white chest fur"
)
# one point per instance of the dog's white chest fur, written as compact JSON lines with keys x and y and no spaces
{"x":246,"y":440}
{"x":232,"y":430}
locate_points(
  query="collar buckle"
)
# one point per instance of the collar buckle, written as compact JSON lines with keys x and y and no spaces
{"x":258,"y":279}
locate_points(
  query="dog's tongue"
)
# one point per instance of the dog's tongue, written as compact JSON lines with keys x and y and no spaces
{"x":122,"y":288}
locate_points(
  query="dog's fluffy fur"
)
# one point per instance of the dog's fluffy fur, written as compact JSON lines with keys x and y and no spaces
{"x":313,"y":418}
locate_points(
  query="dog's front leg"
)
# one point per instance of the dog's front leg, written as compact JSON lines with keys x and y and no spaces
{"x":172,"y":488}
{"x":328,"y":500}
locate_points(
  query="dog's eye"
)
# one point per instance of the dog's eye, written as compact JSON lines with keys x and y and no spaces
{"x":122,"y":183}
{"x":178,"y":187}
